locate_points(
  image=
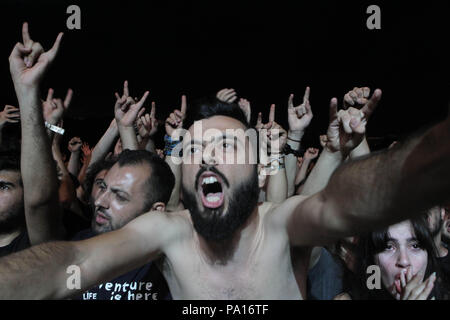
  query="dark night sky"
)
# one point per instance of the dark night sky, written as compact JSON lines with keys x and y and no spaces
{"x":265,"y":50}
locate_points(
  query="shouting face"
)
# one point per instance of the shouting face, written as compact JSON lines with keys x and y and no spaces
{"x":219,"y":191}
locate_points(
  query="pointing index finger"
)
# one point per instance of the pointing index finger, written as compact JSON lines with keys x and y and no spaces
{"x":183,"y":104}
{"x":272,"y":113}
{"x":306,"y":96}
{"x":372,"y":103}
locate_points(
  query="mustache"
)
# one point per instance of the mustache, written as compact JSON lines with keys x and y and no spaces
{"x":204,"y":168}
{"x":101,"y":210}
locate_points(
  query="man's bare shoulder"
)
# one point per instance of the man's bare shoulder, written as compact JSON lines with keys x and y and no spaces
{"x":167,"y":225}
{"x":277,"y":214}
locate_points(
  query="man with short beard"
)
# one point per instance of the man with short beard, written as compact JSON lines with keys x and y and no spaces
{"x":13,"y":234}
{"x":122,"y":190}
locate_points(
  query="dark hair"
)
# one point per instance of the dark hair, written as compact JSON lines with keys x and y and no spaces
{"x":10,"y":160}
{"x":375,"y":242}
{"x":92,"y":172}
{"x":208,"y":107}
{"x":161,"y":181}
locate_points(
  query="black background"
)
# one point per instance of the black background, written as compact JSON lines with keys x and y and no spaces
{"x":263,"y":49}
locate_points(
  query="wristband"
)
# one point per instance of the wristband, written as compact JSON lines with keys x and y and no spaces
{"x":169,"y":145}
{"x":54,"y":128}
{"x":288,"y":150}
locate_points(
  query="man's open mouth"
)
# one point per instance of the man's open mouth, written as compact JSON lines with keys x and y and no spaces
{"x":211,"y":190}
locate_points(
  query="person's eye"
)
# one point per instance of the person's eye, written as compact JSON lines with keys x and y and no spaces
{"x":389,"y":247}
{"x":121,"y":198}
{"x":193,"y":150}
{"x":4,"y":187}
{"x":227,"y":146}
{"x":416,"y":246}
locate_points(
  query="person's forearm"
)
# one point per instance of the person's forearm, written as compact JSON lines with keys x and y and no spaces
{"x":41,"y":272}
{"x":394,"y":185}
{"x":301,"y":174}
{"x":128,"y":137}
{"x":174,"y":200}
{"x":84,"y":168}
{"x":105,"y":143}
{"x":42,"y":208}
{"x":150,"y":146}
{"x":74,"y":163}
{"x":277,"y":187}
{"x":294,"y":138}
{"x":38,"y":272}
{"x":322,"y":171}
{"x":361,"y":150}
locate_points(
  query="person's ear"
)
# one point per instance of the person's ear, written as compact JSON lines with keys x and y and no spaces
{"x":442,"y":213}
{"x":262,"y":176}
{"x":158,"y":206}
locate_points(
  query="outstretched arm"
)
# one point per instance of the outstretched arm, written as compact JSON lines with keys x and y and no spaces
{"x":376,"y":191}
{"x":100,"y":259}
{"x":28,"y":63}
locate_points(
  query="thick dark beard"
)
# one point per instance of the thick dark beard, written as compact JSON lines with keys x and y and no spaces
{"x":14,"y":220}
{"x":215,"y":226}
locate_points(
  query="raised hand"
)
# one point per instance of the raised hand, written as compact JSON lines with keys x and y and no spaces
{"x":357,"y":98}
{"x":126,"y":108}
{"x":311,"y":154}
{"x":28,"y":61}
{"x":175,"y":119}
{"x":87,"y":152}
{"x":276,"y":135}
{"x":299,"y":117}
{"x":147,"y":124}
{"x":9,"y":114}
{"x":347,"y":127}
{"x":244,"y":104}
{"x":74,"y":145}
{"x":413,"y":287}
{"x":54,"y":108}
{"x":227,"y":95}
{"x":323,"y":140}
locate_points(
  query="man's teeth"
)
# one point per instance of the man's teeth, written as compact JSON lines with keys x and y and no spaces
{"x":209,"y":180}
{"x":212,"y":198}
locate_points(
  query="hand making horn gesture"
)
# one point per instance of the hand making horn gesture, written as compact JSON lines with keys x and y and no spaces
{"x":29,"y":62}
{"x":347,"y":127}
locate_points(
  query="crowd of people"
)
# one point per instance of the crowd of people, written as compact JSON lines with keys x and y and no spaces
{"x":227,"y":210}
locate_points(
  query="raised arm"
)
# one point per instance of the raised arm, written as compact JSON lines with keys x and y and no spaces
{"x":74,"y":148}
{"x":147,"y":126}
{"x":28,"y":63}
{"x":100,"y":259}
{"x":276,"y":139}
{"x":173,"y":122}
{"x":377,"y":190}
{"x":10,"y":114}
{"x":345,"y":136}
{"x":105,"y":143}
{"x":126,"y":111}
{"x":299,"y":118}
